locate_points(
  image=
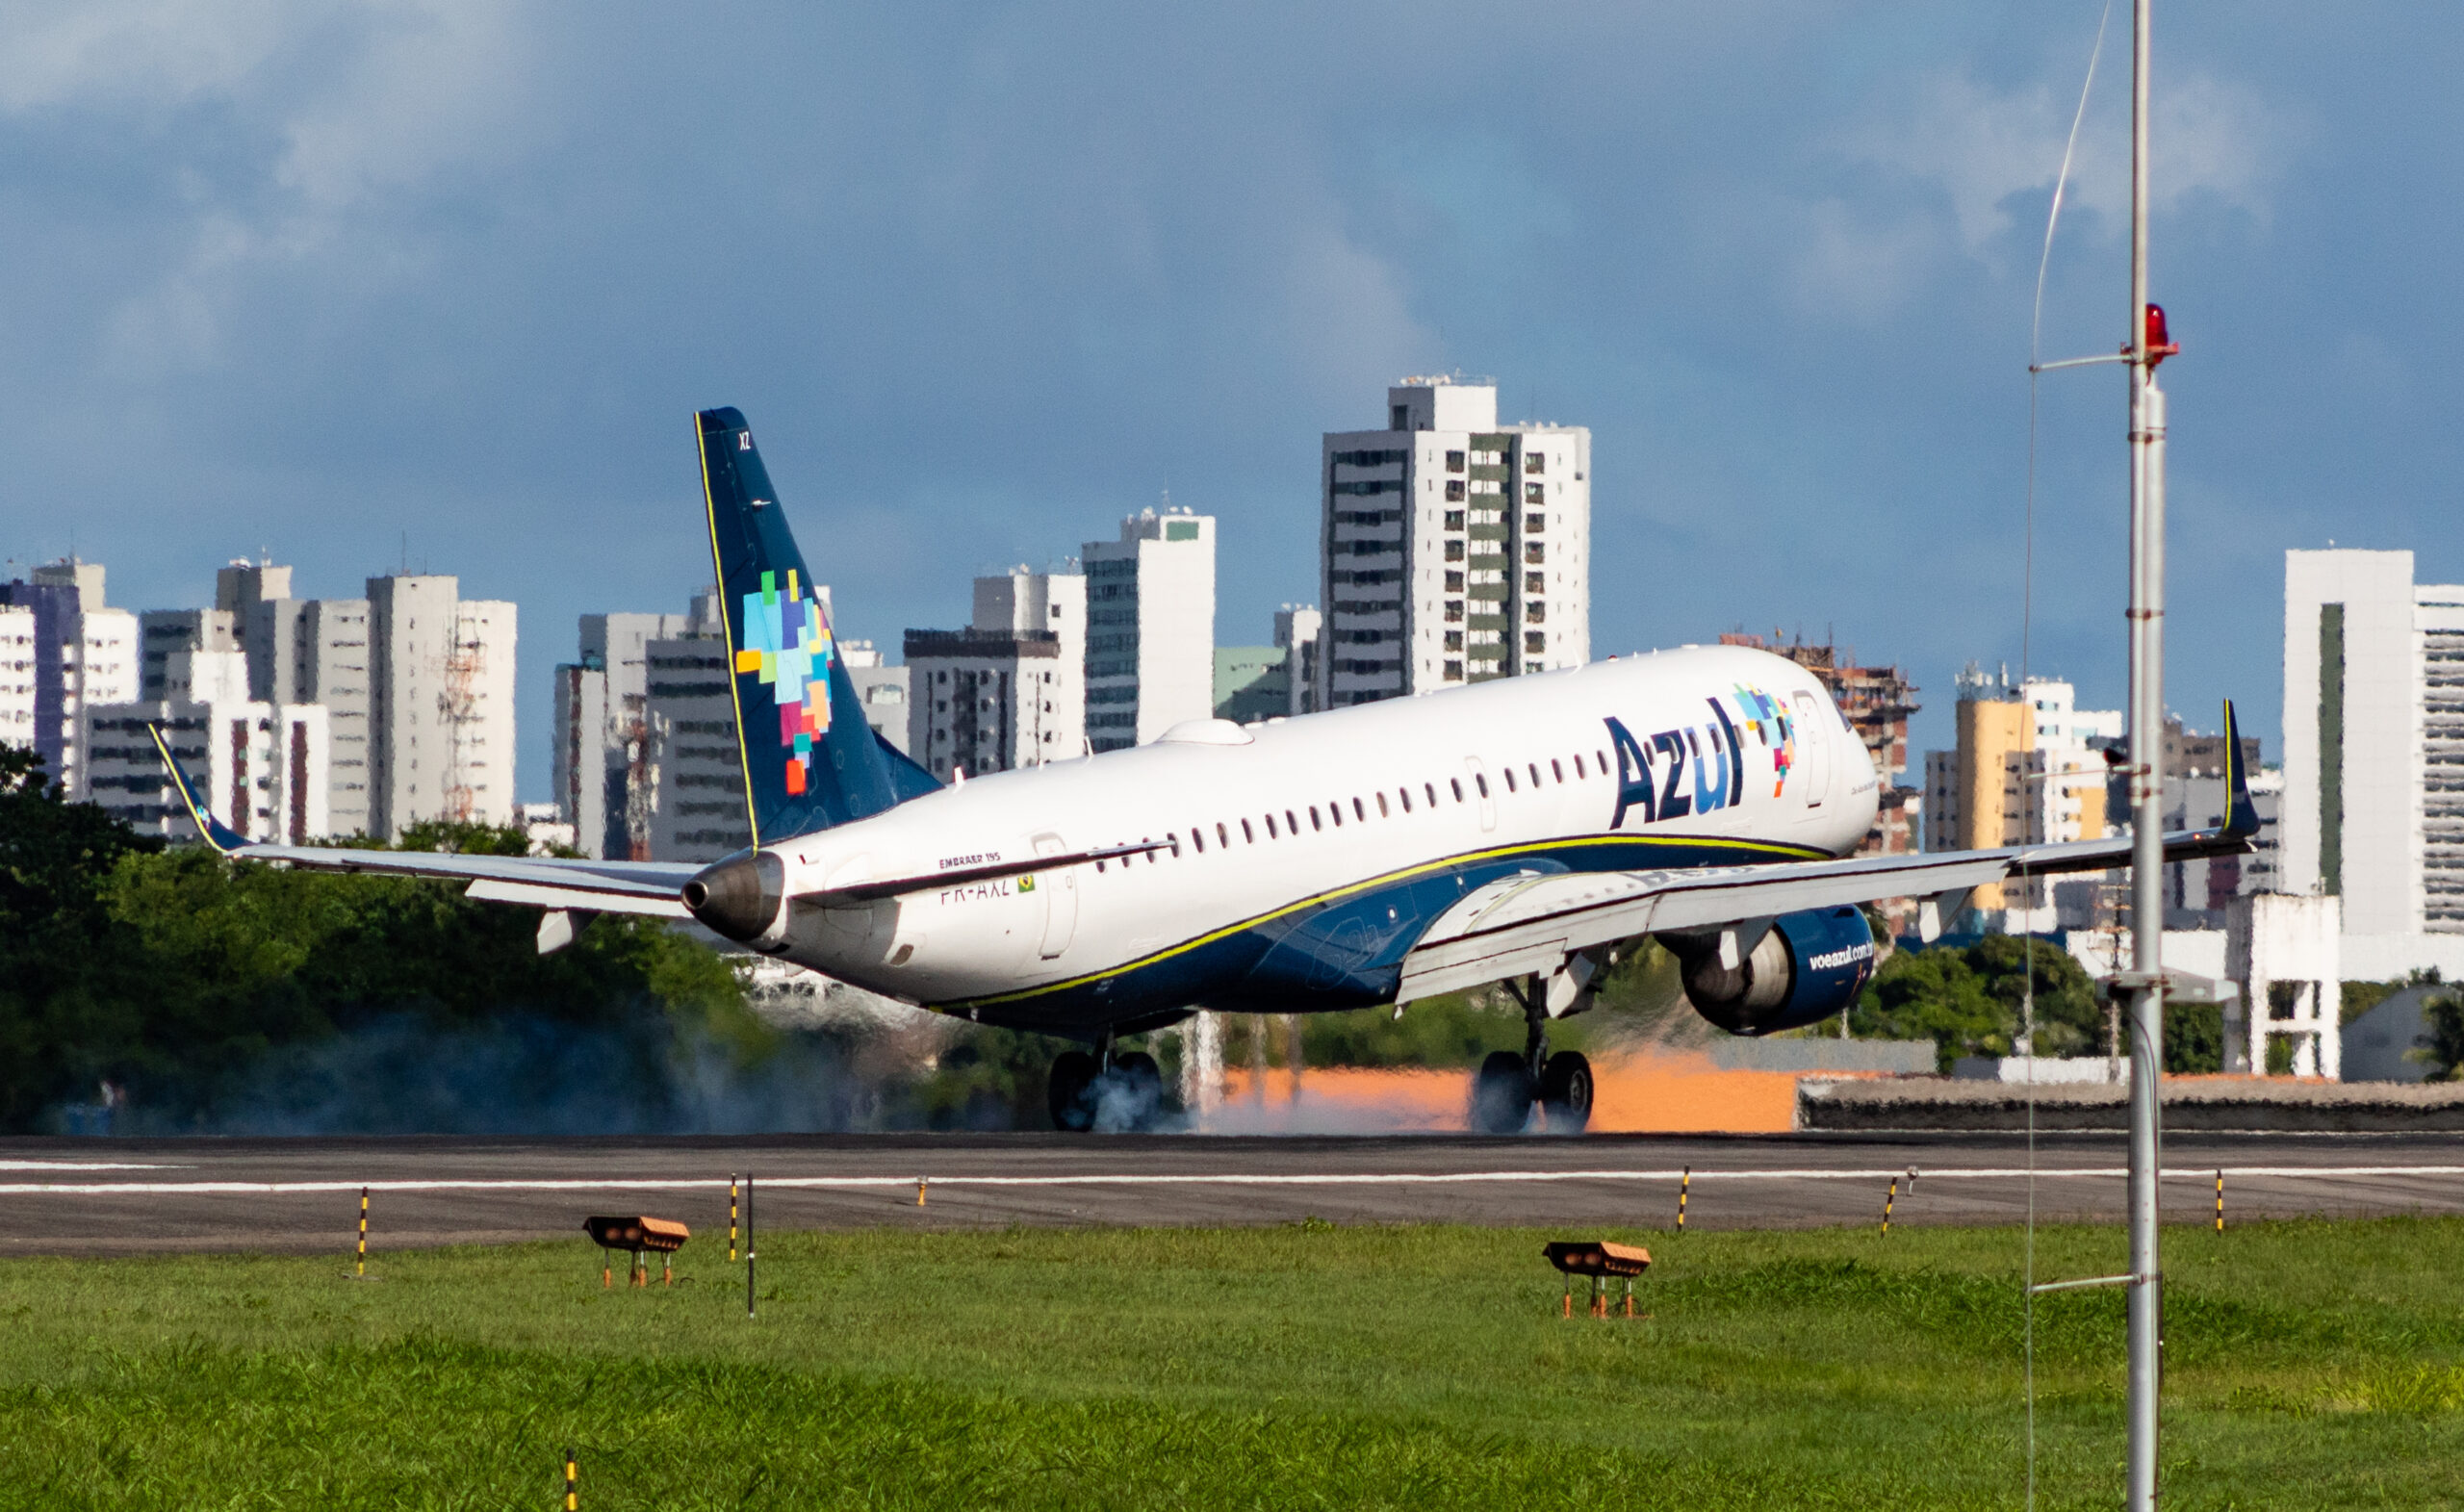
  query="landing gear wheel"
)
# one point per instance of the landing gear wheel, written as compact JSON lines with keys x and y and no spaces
{"x":1068,"y":1092}
{"x":1502,"y":1094}
{"x":1139,"y":1082}
{"x":1565,"y":1093}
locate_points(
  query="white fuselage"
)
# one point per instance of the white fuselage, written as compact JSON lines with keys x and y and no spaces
{"x":1305,"y":854}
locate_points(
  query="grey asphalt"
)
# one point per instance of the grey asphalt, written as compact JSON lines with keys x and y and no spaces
{"x":134,"y":1196}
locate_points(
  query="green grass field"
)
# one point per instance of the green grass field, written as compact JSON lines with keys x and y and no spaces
{"x":2310,"y":1365}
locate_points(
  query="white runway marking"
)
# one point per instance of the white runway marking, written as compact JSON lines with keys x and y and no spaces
{"x":89,"y":1165}
{"x":1156,"y":1179}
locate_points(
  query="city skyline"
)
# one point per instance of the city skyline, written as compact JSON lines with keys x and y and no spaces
{"x":328,"y":284}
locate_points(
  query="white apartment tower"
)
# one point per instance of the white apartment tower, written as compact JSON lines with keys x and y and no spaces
{"x":697,"y":773}
{"x":19,"y":659}
{"x":82,"y":652}
{"x":1011,"y":690}
{"x":603,"y":756}
{"x":1150,"y":628}
{"x":1454,"y":549}
{"x":308,"y":651}
{"x":262,"y":765}
{"x":2373,"y":756}
{"x":441,"y":726}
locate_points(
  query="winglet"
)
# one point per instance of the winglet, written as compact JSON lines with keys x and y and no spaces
{"x":2240,"y":815}
{"x":208,"y":829}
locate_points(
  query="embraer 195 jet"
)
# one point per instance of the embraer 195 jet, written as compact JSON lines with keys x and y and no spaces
{"x":1517,"y":830}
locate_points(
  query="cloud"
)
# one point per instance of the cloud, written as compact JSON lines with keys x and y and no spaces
{"x":292,"y":123}
{"x":1980,"y":147}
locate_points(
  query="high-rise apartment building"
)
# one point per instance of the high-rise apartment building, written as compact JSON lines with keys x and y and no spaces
{"x":1150,"y":628}
{"x":697,"y":772}
{"x":1011,"y":690}
{"x":441,"y":718}
{"x":19,"y":659}
{"x":2029,"y":768}
{"x":602,"y":751}
{"x":2373,"y":756}
{"x":1254,"y":682}
{"x":261,"y":766}
{"x":83,"y":654}
{"x":880,"y":688}
{"x":308,"y":651}
{"x":1455,"y":548}
{"x":165,"y":634}
{"x":1300,"y":630}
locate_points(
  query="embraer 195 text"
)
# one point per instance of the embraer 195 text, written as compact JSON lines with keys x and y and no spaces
{"x":1516,"y":830}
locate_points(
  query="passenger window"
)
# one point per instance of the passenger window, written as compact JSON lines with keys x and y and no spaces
{"x":1556,"y":770}
{"x":1360,"y":808}
{"x":1534,"y":770}
{"x":1510,"y":779}
{"x":1223,"y":837}
{"x":1197,"y":837}
{"x":1334,"y":810}
{"x":1271,"y":834}
{"x":1601,"y":757}
{"x":1248,"y":837}
{"x":1579,"y":772}
{"x":1405,"y":794}
{"x":1381,"y":807}
{"x":1175,"y":838}
{"x":1479,"y":780}
{"x":1291,"y":823}
{"x":1312,"y":818}
{"x":1430,"y":789}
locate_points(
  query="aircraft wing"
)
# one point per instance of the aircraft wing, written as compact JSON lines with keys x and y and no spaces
{"x":650,"y":887}
{"x":1533,"y":924}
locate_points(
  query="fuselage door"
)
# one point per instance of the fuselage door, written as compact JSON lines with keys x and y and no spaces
{"x":1476,"y":776}
{"x":1815,"y":738}
{"x":1059,"y":889}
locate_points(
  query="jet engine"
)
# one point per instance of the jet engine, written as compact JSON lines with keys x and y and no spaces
{"x":1807,"y":967}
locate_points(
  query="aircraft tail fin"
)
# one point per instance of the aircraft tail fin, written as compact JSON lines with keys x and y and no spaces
{"x":212,"y":830}
{"x":810,"y":762}
{"x":2240,"y":815}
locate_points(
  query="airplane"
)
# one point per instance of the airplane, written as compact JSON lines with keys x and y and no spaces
{"x":1519,"y":830}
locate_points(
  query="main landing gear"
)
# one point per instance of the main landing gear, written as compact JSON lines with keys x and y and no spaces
{"x":1503,"y":1094}
{"x":1109,"y":1092}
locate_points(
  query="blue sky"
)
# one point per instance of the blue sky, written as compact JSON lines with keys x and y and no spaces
{"x":446,"y":278}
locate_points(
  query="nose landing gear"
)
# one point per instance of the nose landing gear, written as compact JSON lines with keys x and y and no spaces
{"x":1508,"y":1084}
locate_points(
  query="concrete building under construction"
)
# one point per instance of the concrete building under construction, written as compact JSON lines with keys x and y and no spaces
{"x":1878,"y":702}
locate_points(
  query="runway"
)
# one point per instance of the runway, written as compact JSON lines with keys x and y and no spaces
{"x":137,"y":1197}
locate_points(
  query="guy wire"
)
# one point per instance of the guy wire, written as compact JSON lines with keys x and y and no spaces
{"x":2027,"y":630}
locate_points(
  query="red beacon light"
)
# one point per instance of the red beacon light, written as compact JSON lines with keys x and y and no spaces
{"x":2160,"y":341}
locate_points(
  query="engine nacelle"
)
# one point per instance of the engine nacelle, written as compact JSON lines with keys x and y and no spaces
{"x":1808,"y":967}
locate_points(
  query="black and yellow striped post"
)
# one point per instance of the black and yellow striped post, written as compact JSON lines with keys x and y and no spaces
{"x":1890,"y":1199}
{"x":731,"y":1191}
{"x":2220,"y":1202}
{"x":361,"y":1270}
{"x":1683,"y":1181}
{"x":572,"y":1478}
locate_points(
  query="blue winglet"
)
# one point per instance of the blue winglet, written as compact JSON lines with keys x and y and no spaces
{"x":2240,"y":815}
{"x":213,"y":831}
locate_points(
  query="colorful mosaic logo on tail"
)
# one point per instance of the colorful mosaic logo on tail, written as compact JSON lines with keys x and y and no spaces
{"x":787,"y":642}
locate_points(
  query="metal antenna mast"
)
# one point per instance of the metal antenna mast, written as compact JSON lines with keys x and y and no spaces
{"x":2144,"y":986}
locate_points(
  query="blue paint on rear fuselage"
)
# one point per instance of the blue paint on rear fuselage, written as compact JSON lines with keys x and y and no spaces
{"x":1339,"y":952}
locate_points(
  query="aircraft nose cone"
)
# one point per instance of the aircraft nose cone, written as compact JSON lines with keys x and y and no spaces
{"x":738,"y":897}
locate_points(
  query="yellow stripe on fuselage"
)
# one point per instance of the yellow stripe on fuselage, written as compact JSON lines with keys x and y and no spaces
{"x":1772,"y":849}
